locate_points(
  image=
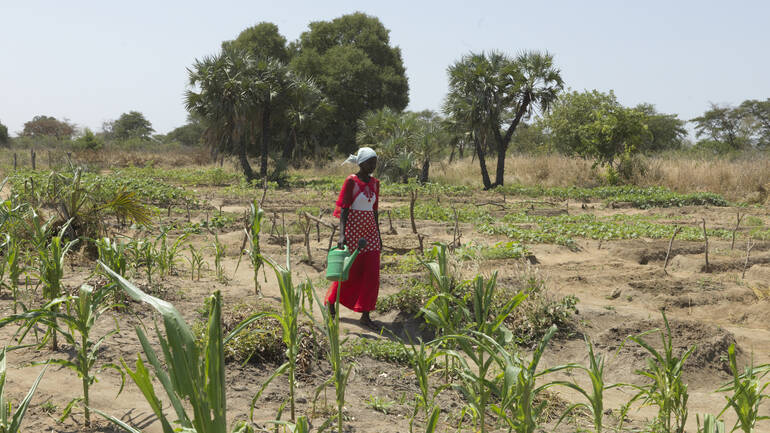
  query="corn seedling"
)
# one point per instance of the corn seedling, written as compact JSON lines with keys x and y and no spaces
{"x":113,"y":253}
{"x":331,"y":330}
{"x":666,"y":390}
{"x":379,"y":404}
{"x":516,"y":388}
{"x":422,"y":360}
{"x":477,"y":359}
{"x":443,"y":311}
{"x":10,"y":420}
{"x":13,"y":266}
{"x":292,"y":299}
{"x":747,"y":393}
{"x":51,"y":271}
{"x":710,"y":424}
{"x":196,"y":263}
{"x":166,"y":254}
{"x":594,"y":395}
{"x":79,"y":315}
{"x":255,"y":256}
{"x":219,"y":254}
{"x":193,"y":375}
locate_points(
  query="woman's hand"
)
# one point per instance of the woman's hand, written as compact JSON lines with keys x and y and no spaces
{"x":341,"y":243}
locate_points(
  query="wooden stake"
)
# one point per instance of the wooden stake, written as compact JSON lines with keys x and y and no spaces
{"x":706,"y":241}
{"x":390,"y":222}
{"x":749,"y":246}
{"x":737,"y":224}
{"x":457,"y":234}
{"x":14,"y":161}
{"x":306,"y":228}
{"x":32,"y":156}
{"x":413,"y":199}
{"x":670,"y":244}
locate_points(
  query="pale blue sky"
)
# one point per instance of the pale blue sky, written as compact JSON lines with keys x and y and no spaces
{"x":90,"y":61}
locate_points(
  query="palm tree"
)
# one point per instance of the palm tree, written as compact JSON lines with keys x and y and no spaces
{"x":494,"y":91}
{"x":306,"y":106}
{"x":237,"y":95}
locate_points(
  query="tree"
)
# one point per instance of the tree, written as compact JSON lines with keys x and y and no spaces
{"x":308,"y":109}
{"x":262,"y":41}
{"x":237,"y":97}
{"x":667,"y":131}
{"x":595,"y":125}
{"x":4,"y":138}
{"x":89,"y":140}
{"x":132,"y":125}
{"x":757,"y":114}
{"x":47,"y":126}
{"x":351,"y":60}
{"x":498,"y":92}
{"x":189,"y":134}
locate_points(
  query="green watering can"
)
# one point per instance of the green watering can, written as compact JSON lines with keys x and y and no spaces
{"x":339,"y":261}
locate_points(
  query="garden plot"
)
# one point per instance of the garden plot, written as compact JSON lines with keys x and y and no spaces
{"x":590,"y":268}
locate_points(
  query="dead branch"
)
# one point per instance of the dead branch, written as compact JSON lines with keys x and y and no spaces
{"x":306,"y":227}
{"x":390,"y":222}
{"x":737,"y":224}
{"x":677,"y":229}
{"x":706,"y":241}
{"x":412,"y":200}
{"x":264,"y":193}
{"x":319,"y":221}
{"x":457,"y":234}
{"x":749,"y":246}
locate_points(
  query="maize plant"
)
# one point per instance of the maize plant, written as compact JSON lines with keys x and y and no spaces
{"x":79,"y":315}
{"x":10,"y":420}
{"x":291,"y":302}
{"x":710,"y":424}
{"x":196,"y":263}
{"x":594,"y":395}
{"x":13,"y":266}
{"x":747,"y":393}
{"x":255,"y":256}
{"x":666,"y":390}
{"x":330,"y":328}
{"x":51,"y":271}
{"x":113,"y":253}
{"x":191,"y":375}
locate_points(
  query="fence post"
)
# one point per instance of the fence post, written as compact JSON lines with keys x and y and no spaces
{"x":32,"y":157}
{"x":14,"y":161}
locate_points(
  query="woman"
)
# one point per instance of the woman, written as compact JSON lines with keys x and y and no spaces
{"x":357,"y":211}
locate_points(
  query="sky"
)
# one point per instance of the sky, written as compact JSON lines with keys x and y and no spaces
{"x":90,"y":61}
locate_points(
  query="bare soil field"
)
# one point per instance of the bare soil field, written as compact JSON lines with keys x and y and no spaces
{"x":620,"y":284}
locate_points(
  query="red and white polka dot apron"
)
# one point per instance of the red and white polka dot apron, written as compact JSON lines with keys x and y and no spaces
{"x":359,"y":292}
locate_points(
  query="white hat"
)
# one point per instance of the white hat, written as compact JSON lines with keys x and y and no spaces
{"x":364,"y":154}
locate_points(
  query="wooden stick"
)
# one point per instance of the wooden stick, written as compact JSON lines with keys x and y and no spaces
{"x":706,"y":241}
{"x":306,"y":228}
{"x":413,"y":199}
{"x":264,"y":192}
{"x":737,"y":224}
{"x":670,"y":244}
{"x":749,"y":246}
{"x":319,"y":220}
{"x":390,"y":222}
{"x":331,"y":238}
{"x":457,"y":234}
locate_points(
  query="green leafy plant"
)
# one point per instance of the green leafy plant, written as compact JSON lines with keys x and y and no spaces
{"x":219,"y":254}
{"x":113,"y":254}
{"x":191,"y":375}
{"x":197,"y":262}
{"x":330,"y":329}
{"x":422,"y":359}
{"x":166,"y":253}
{"x":477,"y":359}
{"x":80,"y":314}
{"x":748,"y":393}
{"x":256,"y":215}
{"x":50,"y":271}
{"x":711,"y":424}
{"x":380,"y":404}
{"x":10,"y":420}
{"x":595,"y":394}
{"x":666,"y":390}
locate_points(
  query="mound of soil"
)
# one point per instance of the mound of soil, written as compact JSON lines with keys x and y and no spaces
{"x":644,"y":252}
{"x":711,"y":343}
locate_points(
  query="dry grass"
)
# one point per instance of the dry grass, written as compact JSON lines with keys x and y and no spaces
{"x":736,"y":178}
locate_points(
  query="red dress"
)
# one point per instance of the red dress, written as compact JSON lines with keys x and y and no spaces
{"x":359,"y":292}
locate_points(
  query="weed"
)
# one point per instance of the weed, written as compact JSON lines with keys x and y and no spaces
{"x":380,"y":404}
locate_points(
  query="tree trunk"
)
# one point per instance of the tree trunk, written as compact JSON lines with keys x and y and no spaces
{"x":265,"y":141}
{"x":289,"y":146}
{"x":482,"y":164}
{"x":245,"y":166}
{"x":424,"y":173}
{"x":500,"y":172}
